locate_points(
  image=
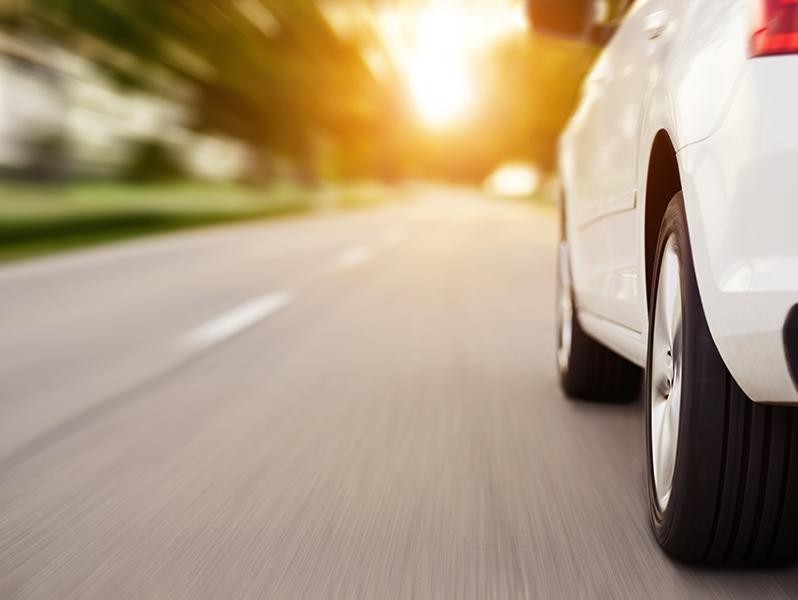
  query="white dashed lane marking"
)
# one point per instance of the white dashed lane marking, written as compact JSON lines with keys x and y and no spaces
{"x":240,"y":318}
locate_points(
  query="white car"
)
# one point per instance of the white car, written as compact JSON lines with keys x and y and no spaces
{"x":679,"y":257}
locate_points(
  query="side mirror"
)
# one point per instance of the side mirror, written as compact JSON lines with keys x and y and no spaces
{"x":570,"y":19}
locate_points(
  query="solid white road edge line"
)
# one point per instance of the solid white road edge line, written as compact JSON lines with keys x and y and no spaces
{"x":240,"y":318}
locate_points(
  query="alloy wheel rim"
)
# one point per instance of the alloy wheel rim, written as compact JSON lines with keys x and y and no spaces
{"x":667,"y":352}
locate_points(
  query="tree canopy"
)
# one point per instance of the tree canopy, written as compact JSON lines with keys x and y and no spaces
{"x":277,"y":75}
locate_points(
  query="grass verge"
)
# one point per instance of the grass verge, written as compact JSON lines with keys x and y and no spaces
{"x":37,"y":220}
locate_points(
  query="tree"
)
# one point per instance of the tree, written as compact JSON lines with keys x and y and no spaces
{"x":270,"y":72}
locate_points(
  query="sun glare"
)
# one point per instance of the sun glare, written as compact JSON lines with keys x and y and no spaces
{"x":436,"y":46}
{"x":440,"y":77}
{"x":438,"y":69}
{"x":442,"y":91}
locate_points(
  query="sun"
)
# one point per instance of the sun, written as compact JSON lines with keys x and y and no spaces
{"x":442,"y":88}
{"x":438,"y":68}
{"x":437,"y":44}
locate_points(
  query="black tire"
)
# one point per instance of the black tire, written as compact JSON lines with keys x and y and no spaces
{"x":588,"y":370}
{"x":734,"y":490}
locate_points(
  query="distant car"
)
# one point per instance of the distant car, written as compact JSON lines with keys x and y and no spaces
{"x":679,"y":255}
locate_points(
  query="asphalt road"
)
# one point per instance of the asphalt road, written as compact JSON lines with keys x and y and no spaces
{"x":356,"y":405}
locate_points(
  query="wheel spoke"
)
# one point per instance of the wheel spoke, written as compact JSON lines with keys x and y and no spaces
{"x":670,"y":287}
{"x":666,"y":354}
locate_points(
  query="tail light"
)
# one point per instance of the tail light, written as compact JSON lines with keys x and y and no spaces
{"x":775,"y":27}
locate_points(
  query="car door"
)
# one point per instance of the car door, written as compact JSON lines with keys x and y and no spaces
{"x":607,"y":246}
{"x":581,"y":138}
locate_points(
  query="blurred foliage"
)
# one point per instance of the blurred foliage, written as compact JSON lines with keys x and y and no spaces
{"x":152,"y":161}
{"x":275,"y":74}
{"x":274,"y":89}
{"x":532,"y":89}
{"x":529,"y":88}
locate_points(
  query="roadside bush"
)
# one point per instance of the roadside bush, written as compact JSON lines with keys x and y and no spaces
{"x":152,"y":161}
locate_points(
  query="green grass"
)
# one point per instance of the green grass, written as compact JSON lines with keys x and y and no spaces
{"x":37,"y":220}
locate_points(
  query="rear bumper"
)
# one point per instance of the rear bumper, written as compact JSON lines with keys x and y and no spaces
{"x":741,"y":196}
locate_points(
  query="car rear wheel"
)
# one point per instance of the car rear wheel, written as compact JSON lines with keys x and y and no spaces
{"x":722,"y":470}
{"x":588,"y":370}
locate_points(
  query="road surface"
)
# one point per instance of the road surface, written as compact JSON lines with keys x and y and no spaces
{"x":357,"y":405}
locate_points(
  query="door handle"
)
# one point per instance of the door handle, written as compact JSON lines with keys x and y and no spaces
{"x":655,"y":24}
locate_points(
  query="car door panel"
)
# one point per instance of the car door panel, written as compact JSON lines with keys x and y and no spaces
{"x":608,"y":275}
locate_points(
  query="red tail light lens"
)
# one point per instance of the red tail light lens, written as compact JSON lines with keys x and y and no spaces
{"x":775,"y":27}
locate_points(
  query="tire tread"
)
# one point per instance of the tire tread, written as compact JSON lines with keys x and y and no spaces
{"x":597,"y":373}
{"x":737,"y":467}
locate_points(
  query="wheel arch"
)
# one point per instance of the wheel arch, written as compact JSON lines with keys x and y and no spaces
{"x":663,"y":182}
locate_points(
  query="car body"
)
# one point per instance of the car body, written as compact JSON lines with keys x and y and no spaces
{"x":679,"y":254}
{"x":677,"y":83}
